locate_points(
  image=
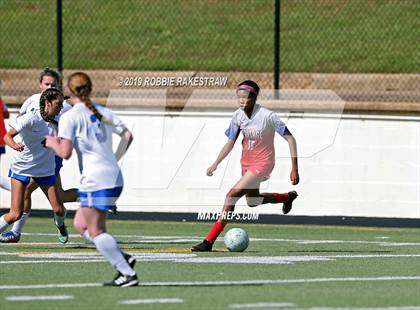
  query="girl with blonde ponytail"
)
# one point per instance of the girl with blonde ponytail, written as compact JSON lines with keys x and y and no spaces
{"x":88,"y":128}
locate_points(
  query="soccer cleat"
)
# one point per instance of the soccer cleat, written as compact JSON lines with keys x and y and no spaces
{"x":130,"y":260}
{"x":204,"y":246}
{"x":287,"y":206}
{"x":9,"y":237}
{"x":113,"y":210}
{"x":123,"y":281}
{"x":64,"y":235}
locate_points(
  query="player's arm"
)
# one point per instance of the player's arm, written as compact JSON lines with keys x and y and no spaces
{"x":61,"y":146}
{"x":125,"y":142}
{"x":119,"y":128}
{"x":16,"y":126}
{"x":294,"y":174}
{"x":232,"y":133}
{"x":226,"y":149}
{"x":8,"y":139}
{"x":281,"y":128}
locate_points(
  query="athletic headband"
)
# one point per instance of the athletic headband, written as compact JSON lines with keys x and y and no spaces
{"x":247,"y":88}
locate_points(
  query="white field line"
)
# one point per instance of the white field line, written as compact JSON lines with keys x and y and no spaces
{"x":52,"y":261}
{"x":39,"y":297}
{"x":49,"y":234}
{"x":283,"y":305}
{"x":59,"y":245}
{"x":191,"y":258}
{"x":273,"y":260}
{"x":176,"y":239}
{"x":271,"y":305}
{"x":96,"y":255}
{"x":367,"y":308}
{"x":218,"y":283}
{"x":264,"y":305}
{"x":152,"y":301}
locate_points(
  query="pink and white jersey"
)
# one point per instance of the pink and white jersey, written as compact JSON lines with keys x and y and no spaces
{"x":258,"y":132}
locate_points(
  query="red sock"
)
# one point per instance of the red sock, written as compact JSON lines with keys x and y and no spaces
{"x":283,"y":197}
{"x":215,"y":231}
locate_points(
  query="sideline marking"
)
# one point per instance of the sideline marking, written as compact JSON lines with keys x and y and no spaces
{"x":280,"y":259}
{"x":39,"y":297}
{"x":217,"y":283}
{"x":152,"y":301}
{"x":264,"y":305}
{"x":182,"y":239}
{"x":367,"y":308}
{"x":189,"y":258}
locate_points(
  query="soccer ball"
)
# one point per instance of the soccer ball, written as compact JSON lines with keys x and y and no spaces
{"x":236,"y":240}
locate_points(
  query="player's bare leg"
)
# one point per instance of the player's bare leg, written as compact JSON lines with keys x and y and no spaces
{"x":15,"y":212}
{"x":69,"y":195}
{"x":59,"y":211}
{"x":255,"y":198}
{"x":247,"y":183}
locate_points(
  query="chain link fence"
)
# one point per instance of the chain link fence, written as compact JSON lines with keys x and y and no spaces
{"x":366,"y":51}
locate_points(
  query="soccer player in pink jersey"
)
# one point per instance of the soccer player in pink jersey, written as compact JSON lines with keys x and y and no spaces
{"x":258,"y":126}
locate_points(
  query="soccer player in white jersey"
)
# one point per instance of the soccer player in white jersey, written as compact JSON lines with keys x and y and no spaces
{"x":88,"y":128}
{"x":48,"y":78}
{"x":258,"y":126}
{"x":34,"y":160}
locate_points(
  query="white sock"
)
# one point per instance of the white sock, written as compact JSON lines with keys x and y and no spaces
{"x":87,"y":236}
{"x":18,"y":225}
{"x":5,"y":184}
{"x":59,"y":220}
{"x":3,"y":224}
{"x":108,"y":247}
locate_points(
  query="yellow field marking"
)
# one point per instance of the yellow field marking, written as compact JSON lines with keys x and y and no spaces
{"x":162,"y":250}
{"x":130,"y":250}
{"x":34,"y":244}
{"x":92,"y":247}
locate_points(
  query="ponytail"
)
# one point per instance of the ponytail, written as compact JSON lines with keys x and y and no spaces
{"x":80,"y":85}
{"x":88,"y":103}
{"x":49,"y":95}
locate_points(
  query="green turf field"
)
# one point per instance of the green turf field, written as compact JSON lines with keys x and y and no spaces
{"x":285,"y":267}
{"x":317,"y":36}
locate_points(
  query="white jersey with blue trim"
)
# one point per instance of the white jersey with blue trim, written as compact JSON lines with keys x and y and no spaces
{"x":35,"y":160}
{"x":32,"y":104}
{"x":92,"y":140}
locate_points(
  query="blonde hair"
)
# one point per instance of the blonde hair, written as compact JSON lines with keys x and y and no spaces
{"x":80,"y":85}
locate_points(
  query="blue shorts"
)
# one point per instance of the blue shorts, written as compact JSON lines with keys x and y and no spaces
{"x":103,"y":200}
{"x":58,"y":165}
{"x":2,"y":149}
{"x":41,"y":181}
